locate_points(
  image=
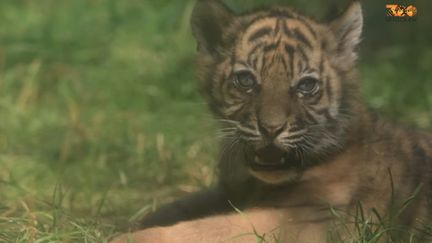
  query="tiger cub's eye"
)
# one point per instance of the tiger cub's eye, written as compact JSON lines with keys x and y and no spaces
{"x":245,"y":80}
{"x":307,"y":85}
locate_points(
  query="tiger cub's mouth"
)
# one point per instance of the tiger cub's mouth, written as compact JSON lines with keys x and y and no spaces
{"x":272,"y":158}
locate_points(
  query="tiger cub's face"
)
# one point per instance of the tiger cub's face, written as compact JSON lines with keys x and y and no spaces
{"x":280,"y":83}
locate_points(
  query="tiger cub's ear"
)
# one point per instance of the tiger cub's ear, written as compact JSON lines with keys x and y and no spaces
{"x":209,"y":20}
{"x":348,"y":29}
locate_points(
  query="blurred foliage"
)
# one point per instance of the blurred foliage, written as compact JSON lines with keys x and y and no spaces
{"x":99,"y":96}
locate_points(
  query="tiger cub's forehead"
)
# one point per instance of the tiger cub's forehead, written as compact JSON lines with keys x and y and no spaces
{"x":285,"y":43}
{"x":277,"y":32}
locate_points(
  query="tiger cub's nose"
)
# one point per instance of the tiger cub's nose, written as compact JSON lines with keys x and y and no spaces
{"x":271,"y":130}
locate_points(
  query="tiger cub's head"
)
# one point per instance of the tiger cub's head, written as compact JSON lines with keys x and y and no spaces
{"x":281,"y":83}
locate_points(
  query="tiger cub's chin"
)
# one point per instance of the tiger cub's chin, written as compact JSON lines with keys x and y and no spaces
{"x":276,"y":176}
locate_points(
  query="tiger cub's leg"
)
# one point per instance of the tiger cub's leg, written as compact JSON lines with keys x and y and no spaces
{"x":196,"y":205}
{"x":232,"y":227}
{"x":254,"y":225}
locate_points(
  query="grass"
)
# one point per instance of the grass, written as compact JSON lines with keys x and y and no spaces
{"x":101,"y":120}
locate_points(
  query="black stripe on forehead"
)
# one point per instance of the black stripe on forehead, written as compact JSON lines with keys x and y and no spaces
{"x":297,"y":34}
{"x":272,"y":46}
{"x":271,"y":14}
{"x":261,"y":32}
{"x":304,"y":57}
{"x":301,"y":37}
{"x":279,"y":22}
{"x":286,"y":31}
{"x":300,"y":66}
{"x":252,"y":52}
{"x":267,"y":30}
{"x":290,"y":51}
{"x":284,"y":64}
{"x":309,"y":27}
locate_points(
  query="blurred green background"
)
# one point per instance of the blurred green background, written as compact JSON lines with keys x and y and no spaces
{"x":101,"y":120}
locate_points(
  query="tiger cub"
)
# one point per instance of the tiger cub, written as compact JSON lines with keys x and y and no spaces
{"x":304,"y":159}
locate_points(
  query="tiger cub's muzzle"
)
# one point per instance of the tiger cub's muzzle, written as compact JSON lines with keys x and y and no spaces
{"x":271,"y":158}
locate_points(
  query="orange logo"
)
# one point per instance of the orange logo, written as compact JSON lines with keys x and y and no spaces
{"x":396,"y":10}
{"x":411,"y":11}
